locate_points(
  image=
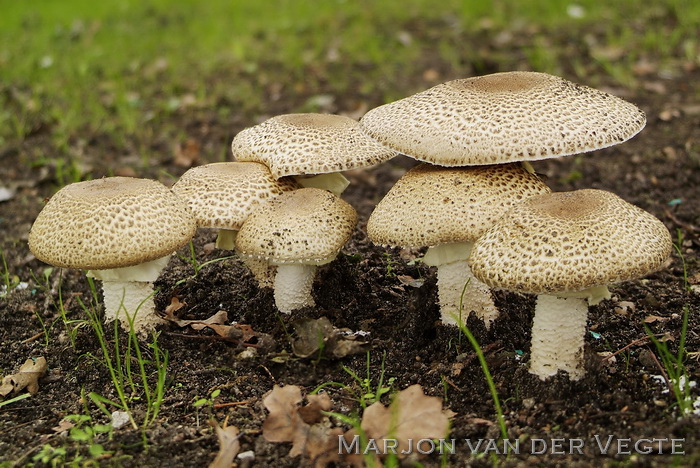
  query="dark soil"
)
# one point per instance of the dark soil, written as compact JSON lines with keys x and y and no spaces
{"x":658,"y":170}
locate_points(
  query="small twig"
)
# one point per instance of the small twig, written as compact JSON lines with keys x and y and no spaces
{"x":663,"y":373}
{"x":34,"y":337}
{"x":234,"y":403}
{"x":639,"y":341}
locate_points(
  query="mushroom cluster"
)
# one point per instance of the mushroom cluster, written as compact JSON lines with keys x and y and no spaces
{"x":474,"y":201}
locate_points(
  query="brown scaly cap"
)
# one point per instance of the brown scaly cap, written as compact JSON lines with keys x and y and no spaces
{"x":222,"y":195}
{"x":570,"y":241}
{"x":433,"y":205}
{"x":503,"y":117}
{"x":306,"y":144}
{"x":109,"y":223}
{"x":308,"y":225}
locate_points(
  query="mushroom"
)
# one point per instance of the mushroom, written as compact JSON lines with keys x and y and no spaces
{"x":313,"y":148}
{"x":566,"y":247}
{"x":503,"y":117}
{"x":297,"y":231}
{"x":222,"y":195}
{"x":447,"y":209}
{"x":123,"y":230}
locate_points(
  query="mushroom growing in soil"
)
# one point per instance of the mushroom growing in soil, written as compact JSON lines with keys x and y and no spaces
{"x":123,"y":230}
{"x":297,"y":231}
{"x":566,"y":247}
{"x":447,"y":209}
{"x":223,"y":195}
{"x":503,"y":117}
{"x":313,"y":148}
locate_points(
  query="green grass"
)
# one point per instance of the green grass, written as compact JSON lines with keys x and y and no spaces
{"x":132,"y":385}
{"x":122,"y":70}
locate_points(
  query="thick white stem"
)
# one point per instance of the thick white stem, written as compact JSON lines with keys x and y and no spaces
{"x":558,"y":334}
{"x":334,"y":182}
{"x":452,"y":279}
{"x":226,"y":239}
{"x":293,"y":284}
{"x":130,"y":299}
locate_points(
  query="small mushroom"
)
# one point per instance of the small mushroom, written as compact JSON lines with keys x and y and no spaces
{"x":566,"y":247}
{"x":503,"y":117}
{"x":297,"y":231}
{"x":447,"y":209}
{"x":314,"y":148}
{"x":123,"y":230}
{"x":223,"y":195}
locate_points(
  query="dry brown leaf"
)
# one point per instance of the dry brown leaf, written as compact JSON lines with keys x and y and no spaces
{"x":173,"y":307}
{"x":654,"y":318}
{"x":306,"y":427}
{"x":187,"y":154}
{"x":229,"y":446}
{"x":27,"y":377}
{"x":322,"y":445}
{"x":411,"y":416}
{"x":320,"y":336}
{"x":284,"y":420}
{"x":358,"y":459}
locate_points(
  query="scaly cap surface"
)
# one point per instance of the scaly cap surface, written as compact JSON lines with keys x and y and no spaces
{"x":431,"y":205}
{"x":222,"y":195}
{"x":308,"y":225}
{"x":109,"y":223}
{"x":305,"y":144}
{"x":503,"y":117}
{"x":570,"y":241}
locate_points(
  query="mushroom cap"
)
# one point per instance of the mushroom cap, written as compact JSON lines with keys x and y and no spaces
{"x":308,"y":225}
{"x":570,"y":241}
{"x":503,"y":117}
{"x":222,"y":195}
{"x":112,"y":222}
{"x":303,"y":144}
{"x":431,"y":205}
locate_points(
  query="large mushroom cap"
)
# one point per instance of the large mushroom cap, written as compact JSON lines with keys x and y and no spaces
{"x":570,"y":241}
{"x":503,"y":117}
{"x":222,"y":195}
{"x":308,"y":225}
{"x":305,"y":144}
{"x":109,"y":223}
{"x":433,"y":205}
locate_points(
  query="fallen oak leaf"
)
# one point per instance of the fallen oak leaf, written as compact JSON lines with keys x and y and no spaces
{"x":27,"y":377}
{"x":307,"y":427}
{"x":283,"y":421}
{"x":229,"y":446}
{"x":412,"y":415}
{"x":173,"y":307}
{"x":319,"y":335}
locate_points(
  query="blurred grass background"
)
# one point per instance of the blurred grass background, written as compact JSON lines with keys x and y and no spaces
{"x":83,"y":82}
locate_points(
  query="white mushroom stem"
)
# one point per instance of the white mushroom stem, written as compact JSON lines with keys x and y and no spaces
{"x":128,"y":294}
{"x":226,"y":239}
{"x":293,"y":284}
{"x":334,"y":182}
{"x":559,"y":331}
{"x":130,"y":299}
{"x":457,"y":285}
